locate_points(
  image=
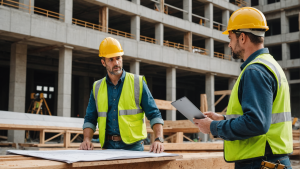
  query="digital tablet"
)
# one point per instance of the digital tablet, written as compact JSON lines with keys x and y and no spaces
{"x":188,"y":109}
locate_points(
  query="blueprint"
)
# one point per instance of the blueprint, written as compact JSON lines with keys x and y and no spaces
{"x":71,"y":156}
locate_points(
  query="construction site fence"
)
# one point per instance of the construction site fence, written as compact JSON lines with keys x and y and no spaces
{"x":31,"y":8}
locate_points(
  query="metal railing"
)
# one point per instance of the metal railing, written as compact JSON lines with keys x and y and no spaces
{"x":219,"y":26}
{"x":30,"y":8}
{"x":88,"y":25}
{"x":101,"y":28}
{"x":240,"y":3}
{"x":222,"y":56}
{"x":176,"y":45}
{"x":148,"y":39}
{"x":199,"y":50}
{"x":120,"y":33}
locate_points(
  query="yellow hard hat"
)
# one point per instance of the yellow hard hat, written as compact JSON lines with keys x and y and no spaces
{"x":110,"y":47}
{"x":246,"y":18}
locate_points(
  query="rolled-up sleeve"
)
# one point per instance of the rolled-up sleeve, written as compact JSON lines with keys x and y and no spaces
{"x":90,"y":118}
{"x":149,"y":107}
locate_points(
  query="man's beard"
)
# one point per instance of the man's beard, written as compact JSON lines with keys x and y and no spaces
{"x":112,"y":72}
{"x":238,"y":54}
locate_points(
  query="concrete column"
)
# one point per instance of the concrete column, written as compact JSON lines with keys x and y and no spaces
{"x":103,"y":18}
{"x":285,"y":53}
{"x":227,"y":50}
{"x":209,"y":45}
{"x":135,"y":67}
{"x":208,"y":13}
{"x":138,"y":2}
{"x":225,"y":18}
{"x":187,"y":5}
{"x":66,"y":8}
{"x":64,"y":81}
{"x":261,"y":2}
{"x":17,"y":87}
{"x":159,"y":33}
{"x":27,"y":6}
{"x":284,"y":23}
{"x":135,"y":27}
{"x":187,"y":40}
{"x":231,"y":82}
{"x":287,"y":74}
{"x":84,"y":95}
{"x":171,"y":91}
{"x":210,"y":91}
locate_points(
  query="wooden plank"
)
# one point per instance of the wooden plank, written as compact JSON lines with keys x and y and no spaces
{"x":221,"y":92}
{"x":218,"y":101}
{"x":42,"y":137}
{"x":126,"y":161}
{"x":185,"y":126}
{"x":188,"y":138}
{"x":67,"y":139}
{"x":205,"y":160}
{"x":3,"y":137}
{"x":7,"y":144}
{"x":54,"y":136}
{"x":34,"y":127}
{"x":191,"y":146}
{"x":40,"y":145}
{"x":179,"y":137}
{"x":164,"y":105}
{"x":97,"y":145}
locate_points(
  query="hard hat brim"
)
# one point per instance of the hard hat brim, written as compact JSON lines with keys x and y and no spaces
{"x":225,"y":32}
{"x":113,"y":55}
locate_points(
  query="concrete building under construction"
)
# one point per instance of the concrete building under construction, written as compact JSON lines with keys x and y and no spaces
{"x":51,"y":47}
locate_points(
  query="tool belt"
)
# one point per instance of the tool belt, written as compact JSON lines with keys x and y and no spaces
{"x":270,"y":165}
{"x":113,"y":137}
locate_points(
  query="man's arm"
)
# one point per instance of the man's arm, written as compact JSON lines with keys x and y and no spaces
{"x":153,"y":114}
{"x":157,"y":146}
{"x":257,"y":91}
{"x":89,"y":126}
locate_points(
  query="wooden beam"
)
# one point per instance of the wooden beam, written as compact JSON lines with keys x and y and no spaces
{"x":227,"y":92}
{"x":185,"y":126}
{"x":164,"y":105}
{"x":218,"y":101}
{"x":191,"y":146}
{"x":179,"y":137}
{"x":103,"y":18}
{"x":188,"y":138}
{"x":42,"y":137}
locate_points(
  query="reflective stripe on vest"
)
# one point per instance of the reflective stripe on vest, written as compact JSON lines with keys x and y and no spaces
{"x":276,"y":117}
{"x":122,"y":112}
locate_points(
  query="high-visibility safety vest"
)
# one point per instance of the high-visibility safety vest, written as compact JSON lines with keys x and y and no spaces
{"x":279,"y":135}
{"x":131,"y":117}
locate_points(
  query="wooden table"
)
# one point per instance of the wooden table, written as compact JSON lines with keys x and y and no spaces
{"x":185,"y":161}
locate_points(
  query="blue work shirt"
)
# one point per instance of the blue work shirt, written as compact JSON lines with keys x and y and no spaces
{"x":114,"y":91}
{"x":256,"y":93}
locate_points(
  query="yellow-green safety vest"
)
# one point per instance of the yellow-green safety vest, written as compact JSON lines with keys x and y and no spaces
{"x":279,"y":135}
{"x":131,"y":117}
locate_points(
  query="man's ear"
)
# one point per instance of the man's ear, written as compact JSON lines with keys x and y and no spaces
{"x":243,"y":36}
{"x":103,"y":62}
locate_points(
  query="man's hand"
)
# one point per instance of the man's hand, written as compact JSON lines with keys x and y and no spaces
{"x":214,"y":116}
{"x":203,"y":124}
{"x":157,"y":147}
{"x":86,"y":145}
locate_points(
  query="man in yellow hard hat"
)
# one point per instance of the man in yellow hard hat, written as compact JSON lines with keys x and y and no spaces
{"x":257,"y":125}
{"x":119,"y":103}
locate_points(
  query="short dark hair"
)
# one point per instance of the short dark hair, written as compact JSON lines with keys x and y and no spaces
{"x":253,"y":38}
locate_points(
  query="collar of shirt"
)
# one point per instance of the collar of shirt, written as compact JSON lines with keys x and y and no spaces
{"x":253,"y":56}
{"x":121,"y":79}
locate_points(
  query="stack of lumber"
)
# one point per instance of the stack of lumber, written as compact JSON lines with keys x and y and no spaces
{"x":185,"y":161}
